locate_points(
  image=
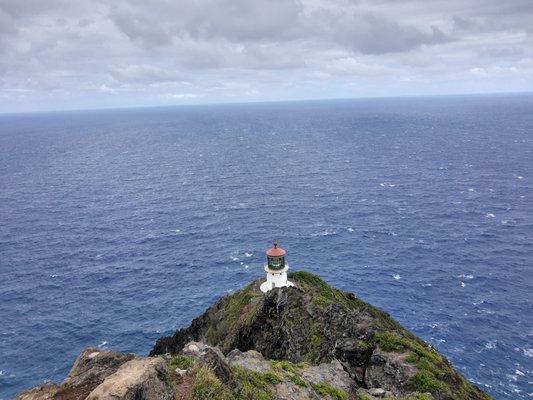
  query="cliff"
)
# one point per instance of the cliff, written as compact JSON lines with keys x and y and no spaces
{"x":308,"y":342}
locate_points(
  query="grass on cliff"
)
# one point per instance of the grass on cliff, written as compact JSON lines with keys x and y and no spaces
{"x":434,"y":374}
{"x":206,"y":385}
{"x":328,"y":295}
{"x":289,"y":371}
{"x":256,"y":385}
{"x":324,"y":389}
{"x":253,"y":385}
{"x":239,"y":310}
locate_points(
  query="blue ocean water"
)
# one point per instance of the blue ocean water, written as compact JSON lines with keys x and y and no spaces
{"x":117,"y":227}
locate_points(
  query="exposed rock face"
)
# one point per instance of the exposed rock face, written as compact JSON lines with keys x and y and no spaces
{"x":89,"y":370}
{"x":94,"y":365}
{"x":307,"y":342}
{"x":140,"y":378}
{"x":389,"y":371}
{"x":98,"y":374}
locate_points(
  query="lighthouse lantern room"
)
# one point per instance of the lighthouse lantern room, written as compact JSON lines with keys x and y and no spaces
{"x":276,"y":269}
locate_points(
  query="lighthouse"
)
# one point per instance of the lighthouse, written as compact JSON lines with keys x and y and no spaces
{"x":276,"y":269}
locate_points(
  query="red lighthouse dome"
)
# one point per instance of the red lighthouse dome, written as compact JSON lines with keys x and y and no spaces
{"x":276,"y":251}
{"x":276,"y":257}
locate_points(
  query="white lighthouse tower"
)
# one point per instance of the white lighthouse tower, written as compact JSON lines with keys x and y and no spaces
{"x":276,"y":269}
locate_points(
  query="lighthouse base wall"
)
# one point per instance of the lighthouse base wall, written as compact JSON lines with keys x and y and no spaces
{"x":276,"y":279}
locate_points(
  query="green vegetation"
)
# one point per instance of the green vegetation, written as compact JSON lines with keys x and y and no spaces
{"x":181,"y":362}
{"x":433,"y":370}
{"x":316,"y":341}
{"x":424,"y":381}
{"x":284,"y":365}
{"x":239,"y":310}
{"x":255,"y":385}
{"x":207,"y":386}
{"x":297,"y":380}
{"x":328,"y":295}
{"x":324,"y":390}
{"x":421,"y":396}
{"x":272,"y":377}
{"x":363,"y":397}
{"x":290,"y":371}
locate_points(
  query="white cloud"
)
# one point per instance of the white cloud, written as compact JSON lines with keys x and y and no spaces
{"x":70,"y":53}
{"x":106,"y":89}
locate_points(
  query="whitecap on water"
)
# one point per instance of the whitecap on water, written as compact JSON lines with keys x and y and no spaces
{"x":471,"y":189}
{"x":327,"y":232}
{"x":234,"y":258}
{"x":463,"y":284}
{"x":350,"y":229}
{"x":520,"y":177}
{"x":491,"y":344}
{"x":490,"y":215}
{"x":397,"y":277}
{"x":102,"y":344}
{"x":248,"y":254}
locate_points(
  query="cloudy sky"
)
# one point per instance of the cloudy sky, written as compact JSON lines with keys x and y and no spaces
{"x":58,"y":54}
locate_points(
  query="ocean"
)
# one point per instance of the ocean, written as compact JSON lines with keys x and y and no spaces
{"x":119,"y":226}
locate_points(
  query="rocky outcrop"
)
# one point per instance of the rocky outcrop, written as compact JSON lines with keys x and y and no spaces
{"x":98,"y":374}
{"x":140,"y":378}
{"x":310,"y":341}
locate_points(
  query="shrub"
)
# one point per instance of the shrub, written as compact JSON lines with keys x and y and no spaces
{"x":181,"y":362}
{"x":424,"y":381}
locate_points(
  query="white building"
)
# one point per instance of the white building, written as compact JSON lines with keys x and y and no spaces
{"x":276,"y":269}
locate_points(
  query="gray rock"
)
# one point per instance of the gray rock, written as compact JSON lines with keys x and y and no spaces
{"x":89,"y":370}
{"x":377,"y":392}
{"x":250,"y":359}
{"x":354,"y":354}
{"x":44,"y":392}
{"x":389,"y":371}
{"x":137,"y":379}
{"x":94,"y":365}
{"x":213,"y":358}
{"x":331,"y":373}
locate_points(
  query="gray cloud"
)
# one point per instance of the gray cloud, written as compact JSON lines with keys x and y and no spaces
{"x":153,"y":51}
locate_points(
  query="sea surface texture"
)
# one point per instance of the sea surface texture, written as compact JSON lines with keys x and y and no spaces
{"x":117,"y":227}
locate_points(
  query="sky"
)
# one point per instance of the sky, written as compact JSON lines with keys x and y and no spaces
{"x":64,"y":54}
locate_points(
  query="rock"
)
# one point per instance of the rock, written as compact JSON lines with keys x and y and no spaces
{"x":180,"y":372}
{"x":94,"y":365}
{"x":377,"y":392}
{"x":290,"y":391}
{"x":137,"y":379}
{"x":89,"y":370}
{"x":44,"y":392}
{"x":389,"y":371}
{"x":250,"y":359}
{"x":354,"y":355}
{"x":331,"y":373}
{"x":213,"y":358}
